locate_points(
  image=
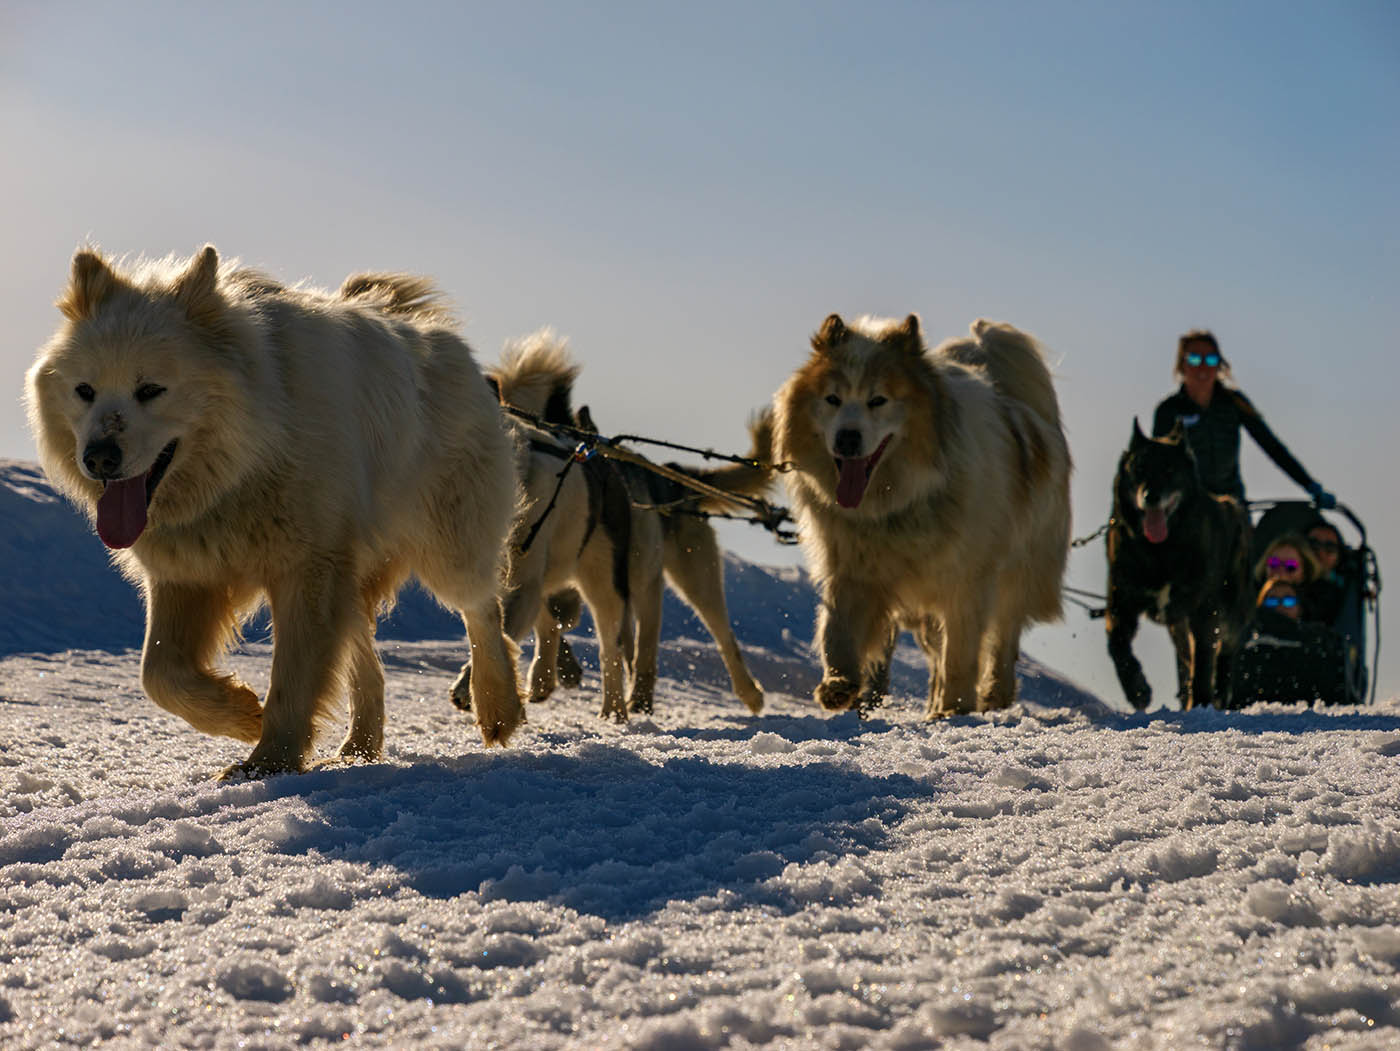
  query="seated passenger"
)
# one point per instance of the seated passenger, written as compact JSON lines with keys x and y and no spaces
{"x":1323,"y":598}
{"x":1285,"y":659}
{"x":1288,"y":558}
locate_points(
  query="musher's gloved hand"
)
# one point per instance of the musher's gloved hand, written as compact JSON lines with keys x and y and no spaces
{"x":1321,"y":497}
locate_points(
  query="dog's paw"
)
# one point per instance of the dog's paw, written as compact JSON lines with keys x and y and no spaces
{"x":946,"y":706}
{"x":616,"y":712}
{"x":837,"y":694}
{"x":499,"y":731}
{"x":752,"y":696}
{"x":352,"y":752}
{"x":867,"y":701}
{"x":462,"y":689}
{"x":252,"y":769}
{"x":569,"y":670}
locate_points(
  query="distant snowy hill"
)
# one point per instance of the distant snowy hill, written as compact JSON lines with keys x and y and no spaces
{"x":63,"y":593}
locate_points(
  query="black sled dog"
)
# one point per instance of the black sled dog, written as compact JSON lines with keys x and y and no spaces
{"x":1179,"y":554}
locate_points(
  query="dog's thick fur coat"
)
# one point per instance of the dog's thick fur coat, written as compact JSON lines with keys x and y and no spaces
{"x":239,"y":441}
{"x":931,"y":491}
{"x":1180,"y":555}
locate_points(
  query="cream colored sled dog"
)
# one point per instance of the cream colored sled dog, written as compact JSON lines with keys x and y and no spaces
{"x":574,"y":525}
{"x":678,"y":544}
{"x":931,"y":491}
{"x":237,"y":441}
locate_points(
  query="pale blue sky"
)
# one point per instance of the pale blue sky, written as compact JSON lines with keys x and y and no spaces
{"x":687,"y":190}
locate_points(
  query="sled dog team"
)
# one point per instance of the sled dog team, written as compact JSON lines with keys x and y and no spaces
{"x":238,"y":441}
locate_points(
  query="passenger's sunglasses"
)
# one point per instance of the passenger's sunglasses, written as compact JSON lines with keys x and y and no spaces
{"x":1195,"y":360}
{"x":1275,"y":601}
{"x":1290,"y":564}
{"x":1330,"y":547}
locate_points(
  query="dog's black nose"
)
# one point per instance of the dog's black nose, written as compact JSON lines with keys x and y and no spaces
{"x":103,"y":458}
{"x":848,"y":443}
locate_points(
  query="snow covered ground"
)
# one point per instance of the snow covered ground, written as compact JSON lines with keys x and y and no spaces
{"x":1061,"y":875}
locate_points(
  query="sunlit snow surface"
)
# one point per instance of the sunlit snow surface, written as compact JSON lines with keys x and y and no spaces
{"x":1057,"y":876}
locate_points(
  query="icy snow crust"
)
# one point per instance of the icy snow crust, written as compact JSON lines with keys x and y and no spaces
{"x":1057,"y":876}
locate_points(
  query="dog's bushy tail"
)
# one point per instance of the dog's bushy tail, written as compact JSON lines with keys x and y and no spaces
{"x":746,"y":479}
{"x":399,"y":295}
{"x":1015,"y":362}
{"x":537,"y":374}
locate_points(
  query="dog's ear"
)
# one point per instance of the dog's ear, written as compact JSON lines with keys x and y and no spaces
{"x":1138,"y":437}
{"x":831,"y":335}
{"x":910,"y":336}
{"x":91,"y":283}
{"x":1178,"y":432}
{"x":494,"y":384}
{"x":197,"y":288}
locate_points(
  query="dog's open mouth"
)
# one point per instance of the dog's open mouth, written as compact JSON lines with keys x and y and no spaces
{"x":121,"y":509}
{"x":853,"y":475}
{"x":1154,"y":518}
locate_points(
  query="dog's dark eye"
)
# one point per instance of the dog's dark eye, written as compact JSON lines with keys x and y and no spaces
{"x":832,"y":399}
{"x":147,"y":391}
{"x":876,"y":402}
{"x":85,"y":391}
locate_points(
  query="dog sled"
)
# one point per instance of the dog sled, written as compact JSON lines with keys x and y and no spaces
{"x":1314,"y":660}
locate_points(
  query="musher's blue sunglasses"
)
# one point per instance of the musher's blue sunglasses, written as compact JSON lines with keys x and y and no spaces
{"x":1194,"y":360}
{"x":1275,"y":601}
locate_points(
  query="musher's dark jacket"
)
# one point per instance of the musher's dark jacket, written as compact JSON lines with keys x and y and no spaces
{"x":1214,"y":436}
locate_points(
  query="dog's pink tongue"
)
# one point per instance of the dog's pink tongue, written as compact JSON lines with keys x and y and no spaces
{"x":1154,"y":524}
{"x":855,"y":476}
{"x":121,"y":512}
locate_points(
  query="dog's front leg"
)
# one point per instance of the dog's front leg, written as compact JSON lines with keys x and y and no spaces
{"x":1121,"y":620}
{"x":311,"y":614}
{"x":850,"y":623}
{"x":1184,"y":642}
{"x":186,"y":627}
{"x":954,"y":690}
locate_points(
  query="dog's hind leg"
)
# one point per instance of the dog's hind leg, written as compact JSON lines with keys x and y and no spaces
{"x":186,"y":628}
{"x":543,"y":665}
{"x":365,"y":737}
{"x":696,"y":570}
{"x":566,"y":607}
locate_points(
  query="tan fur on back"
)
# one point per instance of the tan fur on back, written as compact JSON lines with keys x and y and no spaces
{"x":327,"y":446}
{"x":962,"y":534}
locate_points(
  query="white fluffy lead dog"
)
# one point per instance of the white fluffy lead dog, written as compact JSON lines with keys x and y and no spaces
{"x":235,"y":441}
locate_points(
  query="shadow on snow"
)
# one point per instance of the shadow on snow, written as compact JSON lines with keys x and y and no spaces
{"x":603,"y":831}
